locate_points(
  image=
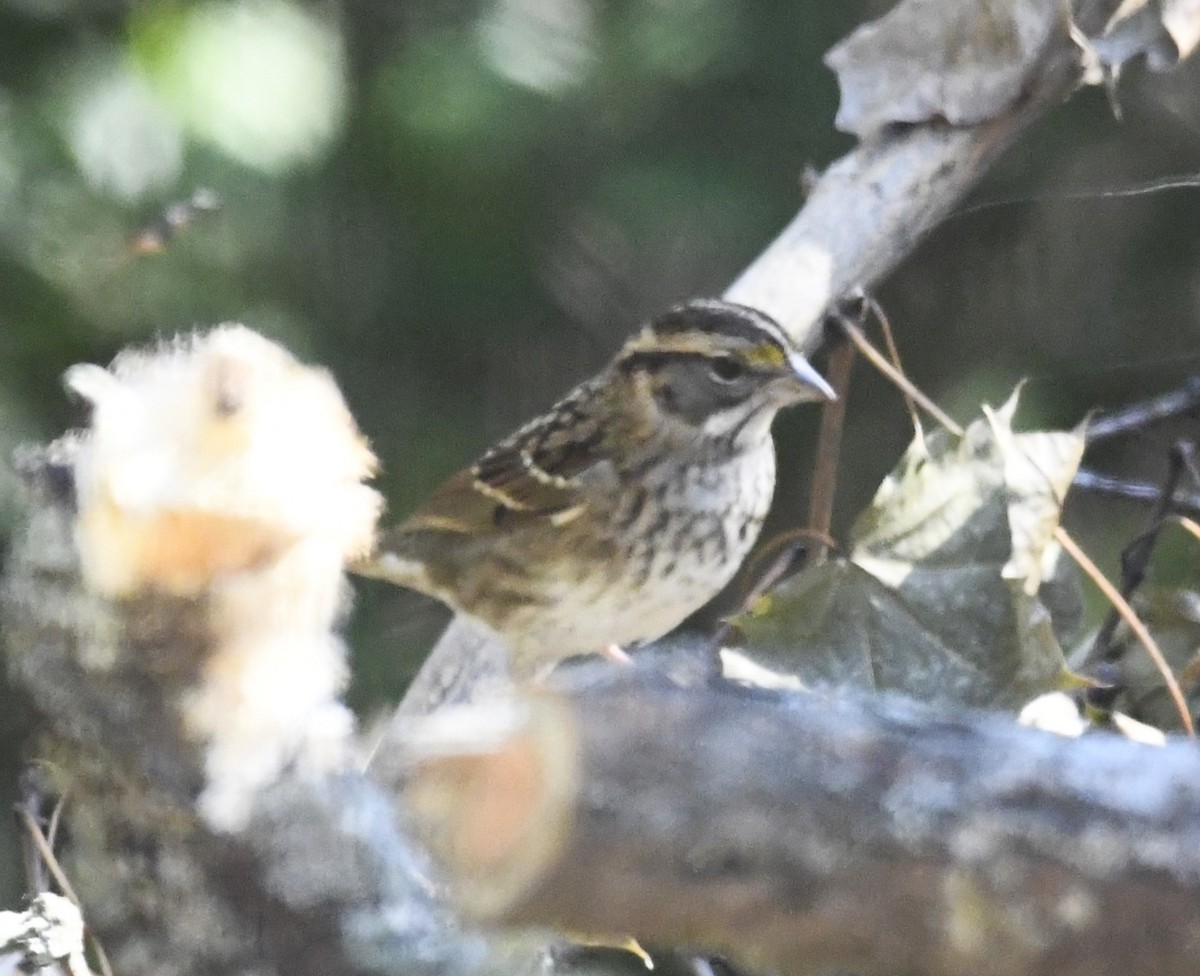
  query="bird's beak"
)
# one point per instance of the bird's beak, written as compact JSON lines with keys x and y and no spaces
{"x":812,"y":385}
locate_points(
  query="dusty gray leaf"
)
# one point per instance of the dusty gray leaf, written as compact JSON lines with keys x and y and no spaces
{"x":1060,"y":593}
{"x":1162,"y":31}
{"x":853,"y":632}
{"x":1181,"y":18}
{"x":837,"y":626}
{"x":964,"y":61}
{"x":955,"y":585}
{"x":1038,"y":470}
{"x":993,"y":496}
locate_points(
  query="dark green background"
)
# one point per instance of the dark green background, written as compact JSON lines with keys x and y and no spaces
{"x":498,"y":190}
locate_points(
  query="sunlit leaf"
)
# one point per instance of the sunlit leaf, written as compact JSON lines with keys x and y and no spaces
{"x":942,"y":596}
{"x":940,"y":59}
{"x":1038,"y":468}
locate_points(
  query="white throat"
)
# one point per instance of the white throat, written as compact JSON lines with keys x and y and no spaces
{"x":749,"y":424}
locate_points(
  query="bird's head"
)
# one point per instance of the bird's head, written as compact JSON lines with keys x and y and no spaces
{"x":720,"y":369}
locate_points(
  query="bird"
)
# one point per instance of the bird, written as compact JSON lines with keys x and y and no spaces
{"x":628,"y":505}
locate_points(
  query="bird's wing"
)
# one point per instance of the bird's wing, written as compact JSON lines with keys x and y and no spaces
{"x":533,"y":475}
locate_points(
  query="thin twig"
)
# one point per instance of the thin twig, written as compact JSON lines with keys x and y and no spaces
{"x":36,"y":880}
{"x":33,"y":828}
{"x":1121,"y":605}
{"x":1182,"y":181}
{"x":781,"y":551}
{"x":902,"y":382}
{"x":50,"y":860}
{"x":829,"y":447}
{"x":889,"y":340}
{"x":1138,"y":416}
{"x":101,"y":956}
{"x":1189,"y":526}
{"x":1136,"y":556}
{"x":1186,"y":451}
{"x":55,"y":819}
{"x":1138,"y":491}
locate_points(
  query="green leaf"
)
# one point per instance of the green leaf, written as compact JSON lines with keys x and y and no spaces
{"x":955,"y":589}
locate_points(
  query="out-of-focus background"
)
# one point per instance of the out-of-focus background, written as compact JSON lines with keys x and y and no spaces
{"x":462,"y":206}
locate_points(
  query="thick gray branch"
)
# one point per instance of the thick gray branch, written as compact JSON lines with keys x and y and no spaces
{"x":319,"y":880}
{"x":869,"y":209}
{"x":804,"y":834}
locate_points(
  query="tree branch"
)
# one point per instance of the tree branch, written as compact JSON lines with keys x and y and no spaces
{"x":318,"y":878}
{"x":800,"y":833}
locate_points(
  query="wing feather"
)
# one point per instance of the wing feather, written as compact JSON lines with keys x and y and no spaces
{"x":531,"y":475}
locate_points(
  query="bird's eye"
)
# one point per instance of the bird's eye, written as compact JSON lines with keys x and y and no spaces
{"x":726,"y":369}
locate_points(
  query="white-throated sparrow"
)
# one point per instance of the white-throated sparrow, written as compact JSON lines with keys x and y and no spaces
{"x":625,"y":507}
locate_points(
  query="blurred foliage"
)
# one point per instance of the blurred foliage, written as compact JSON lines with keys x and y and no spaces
{"x":461,"y":207}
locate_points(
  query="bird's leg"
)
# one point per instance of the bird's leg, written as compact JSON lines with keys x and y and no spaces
{"x":616,"y":655}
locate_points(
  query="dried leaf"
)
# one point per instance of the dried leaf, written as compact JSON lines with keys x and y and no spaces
{"x":1135,"y":30}
{"x":1059,"y":713}
{"x":740,"y":669}
{"x":962,"y":61}
{"x":1038,"y":470}
{"x":1056,"y":712}
{"x":1162,"y":31}
{"x":1182,"y":21}
{"x":955,"y":590}
{"x":1131,"y":728}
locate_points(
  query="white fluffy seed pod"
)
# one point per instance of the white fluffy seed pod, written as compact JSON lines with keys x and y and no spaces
{"x":217,"y":466}
{"x":214,"y":453}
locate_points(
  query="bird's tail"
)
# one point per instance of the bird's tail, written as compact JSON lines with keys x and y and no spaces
{"x":393,"y":560}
